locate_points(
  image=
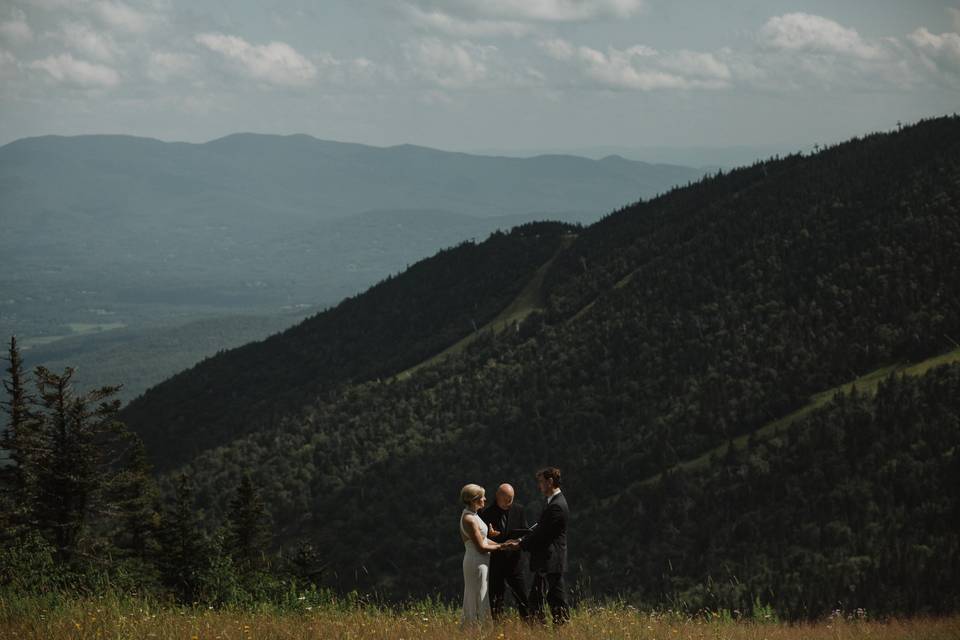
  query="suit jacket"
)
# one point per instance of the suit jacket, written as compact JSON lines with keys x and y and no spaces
{"x":516,"y":519}
{"x":548,"y":542}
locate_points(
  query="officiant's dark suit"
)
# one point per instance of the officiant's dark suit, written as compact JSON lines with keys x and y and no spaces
{"x":505,"y":566}
{"x":547,"y":545}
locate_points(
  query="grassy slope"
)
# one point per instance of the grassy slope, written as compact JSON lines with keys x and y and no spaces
{"x":864,"y":384}
{"x":531,"y":298}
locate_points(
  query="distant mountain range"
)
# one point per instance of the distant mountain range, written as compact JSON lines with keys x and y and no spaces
{"x":686,"y":360}
{"x":257,"y":180}
{"x":102,"y":232}
{"x":703,"y":157}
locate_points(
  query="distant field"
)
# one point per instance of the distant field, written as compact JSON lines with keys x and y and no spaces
{"x":102,"y":618}
{"x":140,"y":357}
{"x":76,"y":329}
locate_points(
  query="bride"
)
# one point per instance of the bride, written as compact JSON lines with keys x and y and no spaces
{"x":476,"y":555}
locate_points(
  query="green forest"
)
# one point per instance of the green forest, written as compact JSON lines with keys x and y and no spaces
{"x":663,"y":332}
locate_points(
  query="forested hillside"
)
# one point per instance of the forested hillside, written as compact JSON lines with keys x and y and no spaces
{"x":672,"y":326}
{"x":392,"y":326}
{"x":661,"y":333}
{"x":853,"y":507}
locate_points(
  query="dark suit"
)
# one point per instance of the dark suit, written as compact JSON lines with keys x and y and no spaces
{"x":548,"y":560}
{"x":505,"y":567}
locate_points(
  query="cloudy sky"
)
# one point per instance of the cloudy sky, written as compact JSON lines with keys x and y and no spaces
{"x":479,"y":74}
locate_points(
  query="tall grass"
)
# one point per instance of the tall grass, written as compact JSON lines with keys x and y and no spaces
{"x":325,"y":616}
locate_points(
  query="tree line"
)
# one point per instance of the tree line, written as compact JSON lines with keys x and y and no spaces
{"x":80,"y":512}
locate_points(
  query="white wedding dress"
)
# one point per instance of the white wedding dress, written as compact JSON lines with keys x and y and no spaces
{"x":476,"y":566}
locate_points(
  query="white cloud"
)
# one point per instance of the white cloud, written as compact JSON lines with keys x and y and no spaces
{"x":558,"y":48}
{"x":797,"y":51}
{"x":16,"y":30}
{"x":275,"y":63}
{"x":66,"y":69}
{"x":954,"y":17}
{"x":450,"y":65}
{"x":942,"y":51}
{"x":815,"y":34}
{"x":696,"y":64}
{"x":8,"y":65}
{"x":85,"y":41}
{"x":460,"y":28}
{"x":542,"y":10}
{"x":642,"y":68}
{"x":164,"y":65}
{"x":465,"y":65}
{"x":122,"y":16}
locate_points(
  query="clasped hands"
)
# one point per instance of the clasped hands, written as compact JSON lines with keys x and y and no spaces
{"x":509,"y":545}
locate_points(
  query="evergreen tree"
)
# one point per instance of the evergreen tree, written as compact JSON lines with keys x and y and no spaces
{"x":135,"y":501}
{"x":15,"y":406}
{"x":14,"y":447}
{"x":248,"y":529}
{"x":182,"y":545}
{"x":79,"y":450}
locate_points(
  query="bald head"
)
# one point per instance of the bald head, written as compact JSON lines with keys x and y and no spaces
{"x":504,"y":496}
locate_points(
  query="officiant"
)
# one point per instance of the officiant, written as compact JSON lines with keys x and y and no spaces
{"x":506,"y":520}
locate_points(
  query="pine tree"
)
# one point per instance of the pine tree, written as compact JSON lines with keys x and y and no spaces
{"x":182,"y":545}
{"x":17,"y":474}
{"x":248,"y":529}
{"x":16,"y":404}
{"x":78,"y":452}
{"x":135,"y":501}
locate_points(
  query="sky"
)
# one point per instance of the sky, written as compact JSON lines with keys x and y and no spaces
{"x":497,"y":75}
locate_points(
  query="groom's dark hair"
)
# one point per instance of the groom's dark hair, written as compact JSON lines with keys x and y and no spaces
{"x":550,"y":473}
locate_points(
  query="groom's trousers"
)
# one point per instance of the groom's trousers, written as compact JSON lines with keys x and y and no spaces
{"x":549,"y":585}
{"x":502,"y":577}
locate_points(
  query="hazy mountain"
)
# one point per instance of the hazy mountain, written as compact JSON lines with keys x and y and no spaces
{"x":256,"y":180}
{"x":108,"y":232}
{"x":706,"y":157}
{"x":632,"y":353}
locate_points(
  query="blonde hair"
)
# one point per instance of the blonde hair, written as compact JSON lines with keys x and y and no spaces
{"x":471,"y":492}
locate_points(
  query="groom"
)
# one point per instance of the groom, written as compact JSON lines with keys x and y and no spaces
{"x":547,"y":545}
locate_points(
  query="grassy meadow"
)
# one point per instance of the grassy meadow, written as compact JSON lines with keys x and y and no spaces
{"x":113,"y":617}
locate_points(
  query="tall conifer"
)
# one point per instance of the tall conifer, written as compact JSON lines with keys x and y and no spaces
{"x":248,"y":529}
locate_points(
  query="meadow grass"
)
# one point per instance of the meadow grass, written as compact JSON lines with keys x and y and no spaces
{"x":530,"y":299}
{"x":121,"y":617}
